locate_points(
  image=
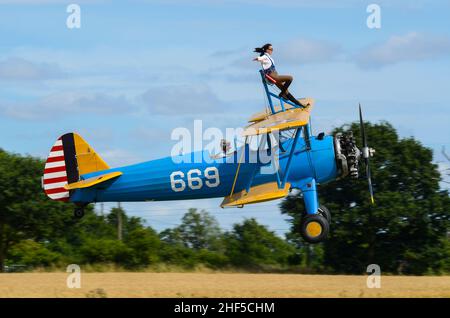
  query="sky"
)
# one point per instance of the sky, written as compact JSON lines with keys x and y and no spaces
{"x":136,"y":70}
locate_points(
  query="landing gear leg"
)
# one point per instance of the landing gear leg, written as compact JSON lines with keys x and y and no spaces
{"x":315,"y":224}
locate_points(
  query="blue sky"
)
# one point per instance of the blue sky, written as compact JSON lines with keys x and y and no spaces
{"x":134,"y":71}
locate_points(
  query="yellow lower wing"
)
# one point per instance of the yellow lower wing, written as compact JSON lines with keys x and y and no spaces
{"x":92,"y":181}
{"x":259,"y":193}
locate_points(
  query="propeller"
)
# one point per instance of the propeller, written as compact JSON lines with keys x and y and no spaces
{"x":366,"y":154}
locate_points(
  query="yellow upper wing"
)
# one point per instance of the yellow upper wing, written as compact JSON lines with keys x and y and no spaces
{"x":291,"y":118}
{"x":264,"y":114}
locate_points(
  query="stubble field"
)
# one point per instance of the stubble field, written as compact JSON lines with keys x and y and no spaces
{"x":222,"y":285}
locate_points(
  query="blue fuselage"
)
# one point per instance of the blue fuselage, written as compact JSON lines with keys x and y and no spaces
{"x":181,"y":178}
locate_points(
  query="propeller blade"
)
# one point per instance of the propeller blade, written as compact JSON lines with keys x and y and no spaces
{"x":366,"y":155}
{"x":369,"y":180}
{"x":363,"y":131}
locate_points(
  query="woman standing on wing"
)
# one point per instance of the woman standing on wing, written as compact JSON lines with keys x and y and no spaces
{"x":268,"y":65}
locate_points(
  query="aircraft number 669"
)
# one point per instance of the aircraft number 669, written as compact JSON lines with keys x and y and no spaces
{"x":193,"y":179}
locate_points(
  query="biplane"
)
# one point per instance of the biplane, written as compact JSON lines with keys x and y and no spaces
{"x":75,"y":173}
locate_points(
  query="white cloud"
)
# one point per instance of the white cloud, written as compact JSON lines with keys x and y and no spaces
{"x":303,"y":51}
{"x":17,"y":69}
{"x":119,"y":157}
{"x":297,"y":51}
{"x":181,"y":100}
{"x":413,"y":46}
{"x":61,"y":104}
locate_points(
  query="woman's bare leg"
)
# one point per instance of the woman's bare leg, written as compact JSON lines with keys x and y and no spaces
{"x":282,"y":81}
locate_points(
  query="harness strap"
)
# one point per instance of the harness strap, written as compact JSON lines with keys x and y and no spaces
{"x":270,"y":78}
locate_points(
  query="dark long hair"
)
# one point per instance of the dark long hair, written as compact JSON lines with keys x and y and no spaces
{"x":261,"y":50}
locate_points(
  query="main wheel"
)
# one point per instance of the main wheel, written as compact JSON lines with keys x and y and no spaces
{"x":314,"y":228}
{"x":78,"y":213}
{"x":323,"y":211}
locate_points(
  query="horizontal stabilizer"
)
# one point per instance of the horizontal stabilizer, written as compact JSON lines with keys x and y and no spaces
{"x":259,"y":193}
{"x":291,"y":118}
{"x":92,"y":181}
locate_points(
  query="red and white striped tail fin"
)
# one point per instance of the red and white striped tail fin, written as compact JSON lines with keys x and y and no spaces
{"x":55,"y":173}
{"x":70,"y":157}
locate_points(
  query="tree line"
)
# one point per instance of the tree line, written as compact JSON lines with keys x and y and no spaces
{"x":405,"y":232}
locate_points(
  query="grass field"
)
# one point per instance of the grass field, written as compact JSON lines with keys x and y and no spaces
{"x":227,"y":285}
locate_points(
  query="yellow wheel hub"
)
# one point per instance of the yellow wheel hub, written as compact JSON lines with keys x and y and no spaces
{"x":313,"y":229}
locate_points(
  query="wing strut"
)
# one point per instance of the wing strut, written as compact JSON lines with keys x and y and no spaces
{"x":239,"y":166}
{"x":281,"y":179}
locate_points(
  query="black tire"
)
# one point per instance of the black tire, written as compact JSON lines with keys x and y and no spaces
{"x":314,"y":228}
{"x":323,"y":211}
{"x":78,"y":213}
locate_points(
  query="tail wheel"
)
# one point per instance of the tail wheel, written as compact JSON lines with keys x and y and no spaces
{"x":323,"y":211}
{"x":314,"y":228}
{"x":78,"y":213}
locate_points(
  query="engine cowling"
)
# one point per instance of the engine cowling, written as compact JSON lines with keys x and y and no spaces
{"x":347,"y":155}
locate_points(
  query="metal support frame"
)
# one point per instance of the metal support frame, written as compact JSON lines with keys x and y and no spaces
{"x":270,"y":95}
{"x":282,"y":177}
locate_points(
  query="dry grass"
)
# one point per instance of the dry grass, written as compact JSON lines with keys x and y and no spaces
{"x":226,"y":285}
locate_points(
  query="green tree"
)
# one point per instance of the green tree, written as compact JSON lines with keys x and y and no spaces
{"x":145,"y":244}
{"x":178,"y":254}
{"x":252,"y":245}
{"x":25,"y":211}
{"x":198,"y":238}
{"x":103,"y":250}
{"x":94,"y":239}
{"x":31,"y":253}
{"x":199,"y":230}
{"x":405,"y":231}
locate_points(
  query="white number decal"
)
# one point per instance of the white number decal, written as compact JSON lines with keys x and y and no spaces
{"x":197,"y":180}
{"x":214,"y":176}
{"x":194,"y":179}
{"x":174,"y":182}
